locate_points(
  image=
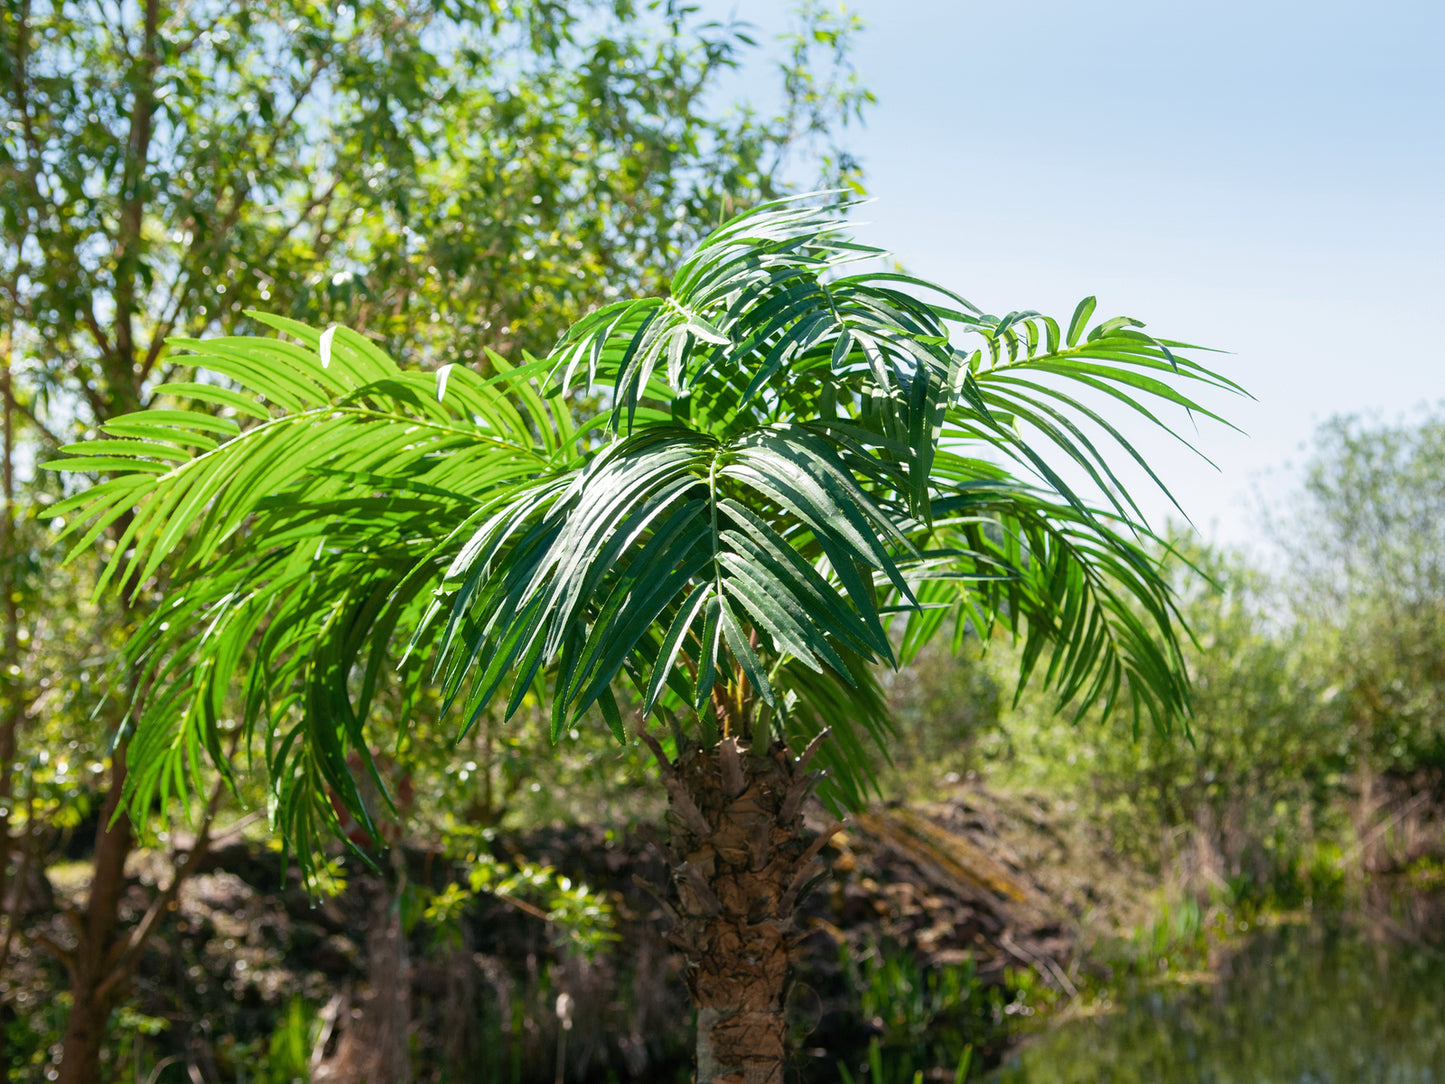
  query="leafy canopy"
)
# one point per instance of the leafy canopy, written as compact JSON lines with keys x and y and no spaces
{"x":1366,"y":542}
{"x":441,"y":174}
{"x":437,"y":175}
{"x":714,"y":501}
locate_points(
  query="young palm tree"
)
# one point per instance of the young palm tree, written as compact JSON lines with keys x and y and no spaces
{"x":720,"y":499}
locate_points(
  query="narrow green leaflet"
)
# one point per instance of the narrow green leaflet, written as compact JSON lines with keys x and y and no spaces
{"x":711,"y":502}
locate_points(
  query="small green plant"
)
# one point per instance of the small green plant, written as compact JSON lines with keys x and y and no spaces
{"x":577,"y":917}
{"x":288,"y":1059}
{"x":928,"y":1017}
{"x":902,"y":1072}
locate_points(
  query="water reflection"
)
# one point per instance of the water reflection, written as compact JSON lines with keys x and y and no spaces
{"x":1294,"y":1006}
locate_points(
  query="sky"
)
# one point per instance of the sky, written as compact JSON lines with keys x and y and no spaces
{"x":1266,"y":178}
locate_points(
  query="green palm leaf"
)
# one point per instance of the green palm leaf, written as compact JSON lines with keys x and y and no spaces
{"x":786,"y":459}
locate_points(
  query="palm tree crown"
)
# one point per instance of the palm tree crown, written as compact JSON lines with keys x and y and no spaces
{"x":721,"y":498}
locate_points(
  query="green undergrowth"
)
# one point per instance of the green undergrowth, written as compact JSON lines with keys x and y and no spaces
{"x":927,"y":1023}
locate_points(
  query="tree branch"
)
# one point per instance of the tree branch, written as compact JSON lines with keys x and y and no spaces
{"x":681,"y":801}
{"x":20,"y":88}
{"x":316,"y":201}
{"x":35,"y":423}
{"x":804,"y":867}
{"x":107,"y":349}
{"x":121,"y":372}
{"x":59,"y":951}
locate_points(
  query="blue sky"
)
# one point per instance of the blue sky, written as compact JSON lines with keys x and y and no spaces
{"x":1264,"y":177}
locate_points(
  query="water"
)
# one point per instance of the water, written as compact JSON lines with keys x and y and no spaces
{"x":1294,"y":1005}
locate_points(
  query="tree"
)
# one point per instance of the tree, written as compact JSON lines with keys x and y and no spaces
{"x":439,"y":174}
{"x":1366,"y":544}
{"x":719,"y":498}
{"x":1248,"y":799}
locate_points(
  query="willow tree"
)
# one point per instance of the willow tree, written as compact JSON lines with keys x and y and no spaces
{"x":716,"y":509}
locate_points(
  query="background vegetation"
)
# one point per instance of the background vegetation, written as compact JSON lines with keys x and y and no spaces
{"x":451,"y":178}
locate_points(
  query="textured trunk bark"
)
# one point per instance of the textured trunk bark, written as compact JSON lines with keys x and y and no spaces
{"x":740,"y":859}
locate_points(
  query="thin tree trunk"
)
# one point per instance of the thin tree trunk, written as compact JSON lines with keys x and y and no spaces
{"x":120,"y":366}
{"x":375,"y":1047}
{"x":1365,"y":815}
{"x":104,"y":959}
{"x":741,"y":859}
{"x":12,"y":705}
{"x":94,"y":986}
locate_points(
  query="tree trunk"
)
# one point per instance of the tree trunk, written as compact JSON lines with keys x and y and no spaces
{"x":95,"y":982}
{"x":375,"y":1046}
{"x":740,"y":860}
{"x":12,"y":707}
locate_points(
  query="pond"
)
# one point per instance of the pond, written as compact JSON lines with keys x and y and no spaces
{"x":1294,"y":1005}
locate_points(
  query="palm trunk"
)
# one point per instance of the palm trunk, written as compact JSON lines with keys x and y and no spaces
{"x":741,"y":858}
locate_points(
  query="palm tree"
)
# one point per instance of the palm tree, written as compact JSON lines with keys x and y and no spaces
{"x":717,"y":508}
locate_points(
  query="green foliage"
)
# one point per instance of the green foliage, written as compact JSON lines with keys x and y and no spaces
{"x":288,"y":1058}
{"x":1174,"y":937}
{"x":511,"y":774}
{"x":943,"y":706}
{"x":30,"y":1033}
{"x":577,"y":917}
{"x":921,"y":1018}
{"x":442,"y":175}
{"x":1367,"y":543}
{"x":1238,"y":806}
{"x":785,"y":456}
{"x":1296,"y":1004}
{"x":877,"y":1069}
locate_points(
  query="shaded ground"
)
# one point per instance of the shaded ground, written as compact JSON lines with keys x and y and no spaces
{"x":932,"y":927}
{"x":966,"y":887}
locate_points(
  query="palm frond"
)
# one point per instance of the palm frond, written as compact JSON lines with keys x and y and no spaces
{"x":301,"y":549}
{"x":793,"y":449}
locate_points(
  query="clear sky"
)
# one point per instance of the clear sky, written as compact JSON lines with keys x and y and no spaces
{"x":1263,"y":177}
